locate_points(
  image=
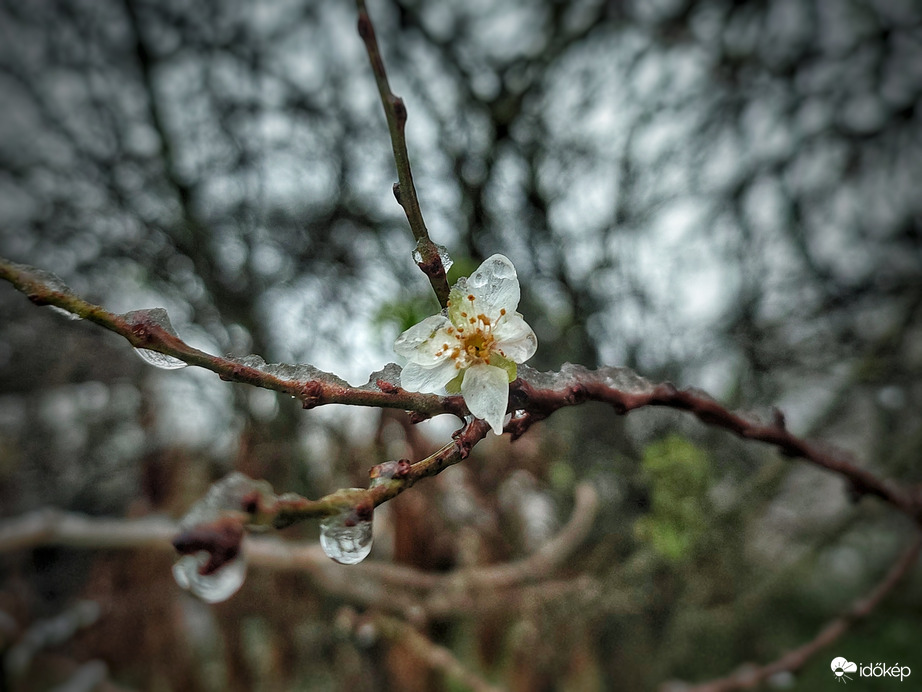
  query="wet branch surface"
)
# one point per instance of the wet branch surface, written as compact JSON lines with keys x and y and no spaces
{"x":396,"y":589}
{"x":395,"y":111}
{"x":533,"y":397}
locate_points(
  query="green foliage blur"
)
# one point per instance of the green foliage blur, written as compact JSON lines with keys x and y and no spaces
{"x":678,"y":473}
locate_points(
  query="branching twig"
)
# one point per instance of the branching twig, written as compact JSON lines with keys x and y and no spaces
{"x":536,"y":395}
{"x":434,"y":656}
{"x":395,"y":588}
{"x":396,"y":113}
{"x":794,"y":660}
{"x":544,"y":560}
{"x":289,"y":508}
{"x":152,"y":336}
{"x":584,"y":385}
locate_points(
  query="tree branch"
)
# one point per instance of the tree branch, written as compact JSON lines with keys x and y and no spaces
{"x":436,"y":657}
{"x":322,"y":388}
{"x":533,"y":396}
{"x":749,"y":677}
{"x":404,"y":190}
{"x":397,"y":589}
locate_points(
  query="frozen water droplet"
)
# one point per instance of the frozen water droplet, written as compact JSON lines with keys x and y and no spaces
{"x":227,"y":494}
{"x":154,"y":317}
{"x":447,"y":261}
{"x":345,"y":539}
{"x":159,"y":360}
{"x":211,"y":588}
{"x":65,"y":313}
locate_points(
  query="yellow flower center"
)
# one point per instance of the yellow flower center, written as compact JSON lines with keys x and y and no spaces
{"x":474,"y":340}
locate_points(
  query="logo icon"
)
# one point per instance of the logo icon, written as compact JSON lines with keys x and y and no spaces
{"x":840,"y":667}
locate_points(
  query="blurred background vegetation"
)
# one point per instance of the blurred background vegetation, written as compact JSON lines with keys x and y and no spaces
{"x":721,"y":194}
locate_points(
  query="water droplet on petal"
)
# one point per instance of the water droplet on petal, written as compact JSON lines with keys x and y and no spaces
{"x":211,"y":588}
{"x":345,"y":539}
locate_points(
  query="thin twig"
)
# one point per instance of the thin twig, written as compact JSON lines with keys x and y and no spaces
{"x":436,"y":657}
{"x":396,"y":113}
{"x":290,"y":508}
{"x":749,"y":676}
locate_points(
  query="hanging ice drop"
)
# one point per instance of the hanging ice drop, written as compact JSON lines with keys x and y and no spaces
{"x":159,"y":317}
{"x":211,"y":588}
{"x":345,"y":539}
{"x":159,"y":360}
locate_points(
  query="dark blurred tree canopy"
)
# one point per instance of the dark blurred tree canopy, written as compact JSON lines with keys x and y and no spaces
{"x":721,"y":194}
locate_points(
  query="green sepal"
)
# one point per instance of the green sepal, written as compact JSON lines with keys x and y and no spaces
{"x":454,"y":386}
{"x":502,"y":362}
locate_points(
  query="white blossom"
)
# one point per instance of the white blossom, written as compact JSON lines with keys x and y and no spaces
{"x":473,"y":345}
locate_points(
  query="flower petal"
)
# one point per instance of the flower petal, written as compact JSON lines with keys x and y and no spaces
{"x":515,"y":339}
{"x":417,"y":378}
{"x":422,"y":341}
{"x":496,"y":285}
{"x":486,"y":392}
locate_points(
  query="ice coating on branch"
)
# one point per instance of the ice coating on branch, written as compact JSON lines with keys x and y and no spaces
{"x":625,"y":380}
{"x":211,"y":588}
{"x":228,"y":495}
{"x":213,"y":566}
{"x":251,"y":361}
{"x":622,"y":379}
{"x":385,"y":379}
{"x":447,"y":261}
{"x":50,"y":281}
{"x":154,"y":317}
{"x":345,"y":537}
{"x":300,"y":372}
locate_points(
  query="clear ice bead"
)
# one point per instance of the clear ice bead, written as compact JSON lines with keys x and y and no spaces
{"x":159,"y":360}
{"x":447,"y":261}
{"x":345,"y":540}
{"x":211,"y":588}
